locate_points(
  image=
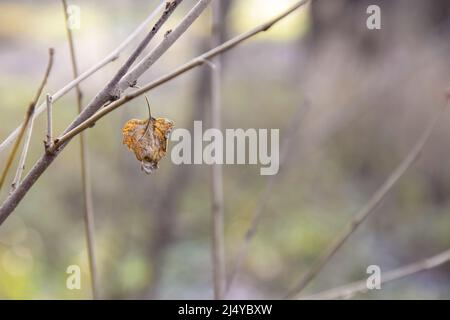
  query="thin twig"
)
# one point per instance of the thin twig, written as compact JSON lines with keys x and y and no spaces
{"x":85,"y":176}
{"x":113,"y":86}
{"x":44,"y":162}
{"x":112,"y":56}
{"x":103,"y":96}
{"x":349,"y":290}
{"x":370,"y":206}
{"x":163,"y":226}
{"x":51,"y":53}
{"x":28,"y":119}
{"x":265,"y":195}
{"x":149,"y":109}
{"x":49,"y":137}
{"x":218,"y":237}
{"x":23,"y":156}
{"x":196,"y":62}
{"x":131,"y":78}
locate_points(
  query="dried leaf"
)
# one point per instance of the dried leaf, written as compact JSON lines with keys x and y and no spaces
{"x":148,"y":140}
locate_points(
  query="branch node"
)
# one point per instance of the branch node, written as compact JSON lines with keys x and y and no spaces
{"x":170,"y":4}
{"x":48,"y":143}
{"x":208,"y":63}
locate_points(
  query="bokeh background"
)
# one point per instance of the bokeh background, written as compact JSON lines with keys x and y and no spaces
{"x":370,"y":94}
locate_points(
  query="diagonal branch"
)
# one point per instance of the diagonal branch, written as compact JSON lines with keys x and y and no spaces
{"x":112,"y":85}
{"x":49,"y":138}
{"x":114,"y":55}
{"x":104,"y":96}
{"x":109,"y":92}
{"x":82,"y":122}
{"x":23,"y":156}
{"x":349,"y":290}
{"x":169,"y":39}
{"x":370,"y":206}
{"x":85,"y":177}
{"x":196,"y":62}
{"x":28,"y":120}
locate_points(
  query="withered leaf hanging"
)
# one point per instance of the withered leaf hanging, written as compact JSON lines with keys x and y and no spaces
{"x":148,"y":139}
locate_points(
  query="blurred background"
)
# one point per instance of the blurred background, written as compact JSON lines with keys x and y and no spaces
{"x":370,"y":95}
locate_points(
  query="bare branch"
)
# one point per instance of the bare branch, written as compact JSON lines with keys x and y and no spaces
{"x":85,"y":177}
{"x":370,"y":206}
{"x":112,"y":86}
{"x":28,"y":119}
{"x":112,"y":56}
{"x":103,"y":97}
{"x":198,"y":61}
{"x":49,"y":137}
{"x":131,"y":78}
{"x":349,"y":290}
{"x":10,"y":160}
{"x":44,"y":162}
{"x":23,"y":156}
{"x":218,"y":243}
